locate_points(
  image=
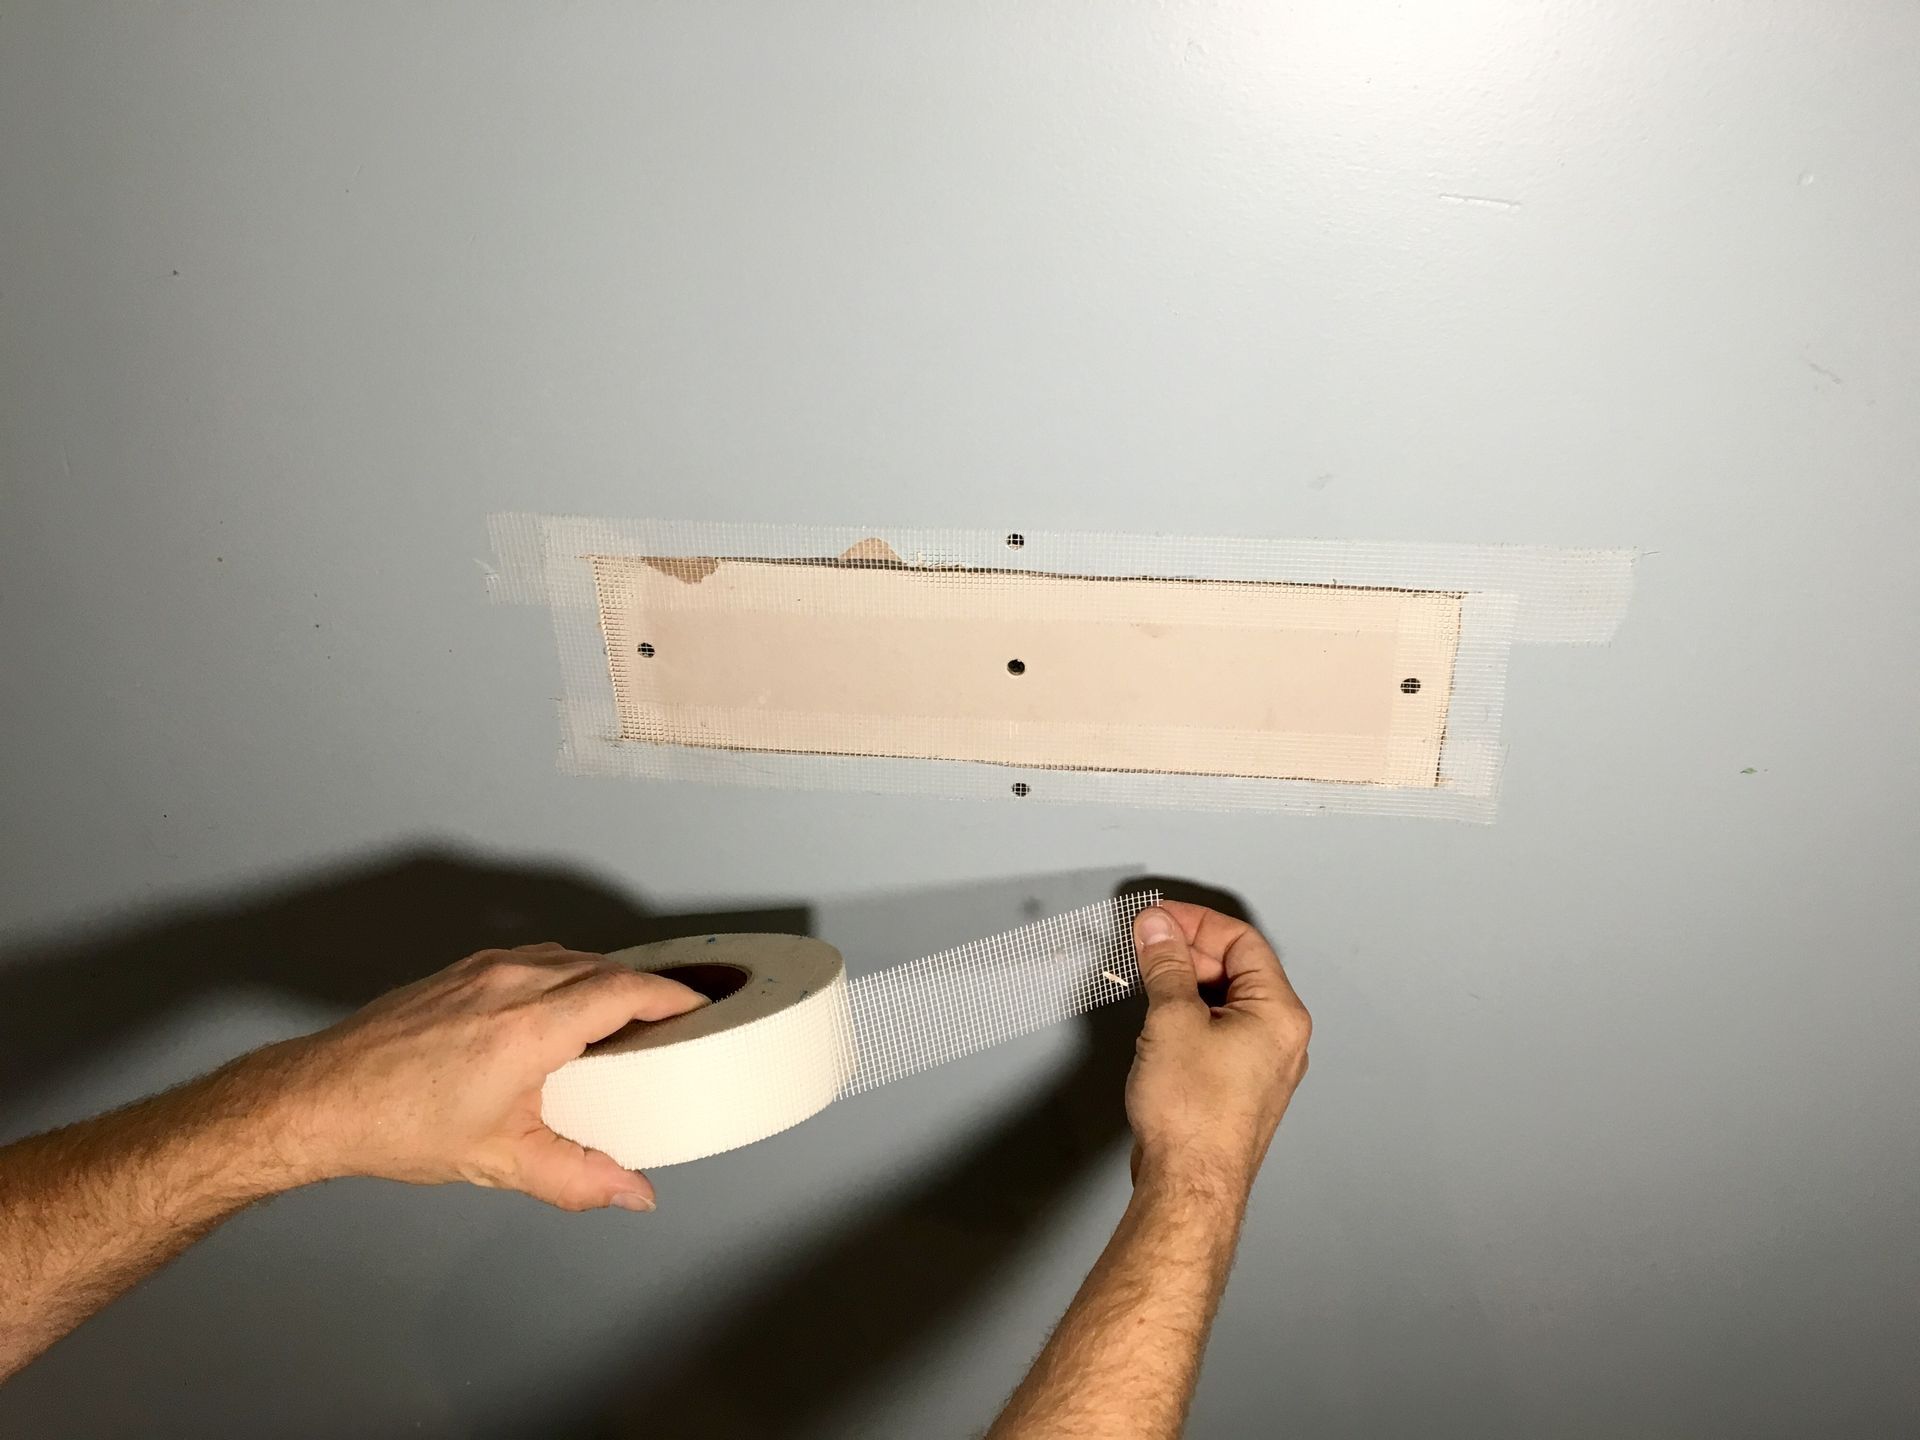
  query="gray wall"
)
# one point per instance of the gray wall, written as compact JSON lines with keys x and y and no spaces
{"x":1610,"y":1126}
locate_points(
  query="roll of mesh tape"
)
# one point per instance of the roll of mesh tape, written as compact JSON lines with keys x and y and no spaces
{"x":788,"y":1033}
{"x":773,"y":1049}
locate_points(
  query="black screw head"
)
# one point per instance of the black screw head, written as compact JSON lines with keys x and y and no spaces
{"x":1410,"y":686}
{"x":1016,"y":540}
{"x":646,"y":649}
{"x":1016,"y":667}
{"x":1020,"y":787}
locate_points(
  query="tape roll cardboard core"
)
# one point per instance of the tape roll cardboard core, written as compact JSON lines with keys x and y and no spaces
{"x":716,"y":982}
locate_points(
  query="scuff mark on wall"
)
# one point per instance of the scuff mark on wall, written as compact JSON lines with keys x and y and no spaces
{"x":1490,"y":202}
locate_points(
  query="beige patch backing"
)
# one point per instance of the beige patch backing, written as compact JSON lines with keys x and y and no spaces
{"x":1200,"y":677}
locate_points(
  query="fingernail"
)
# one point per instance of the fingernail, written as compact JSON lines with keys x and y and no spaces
{"x":1153,"y":926}
{"x":632,"y":1200}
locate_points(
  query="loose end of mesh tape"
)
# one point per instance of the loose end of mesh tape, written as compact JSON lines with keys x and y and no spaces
{"x":926,"y":1012}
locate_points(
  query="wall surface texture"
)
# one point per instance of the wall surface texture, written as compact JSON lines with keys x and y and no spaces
{"x":1610,"y":1128}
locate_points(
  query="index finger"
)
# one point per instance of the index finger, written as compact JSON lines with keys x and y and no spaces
{"x":596,"y":1006}
{"x":1208,"y":934}
{"x":1254,"y":972}
{"x":1251,"y":968}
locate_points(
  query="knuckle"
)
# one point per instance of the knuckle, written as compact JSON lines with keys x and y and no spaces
{"x":1302,"y":1026}
{"x":596,"y":981}
{"x":503,"y":972}
{"x":578,"y":972}
{"x":1289,"y":1039}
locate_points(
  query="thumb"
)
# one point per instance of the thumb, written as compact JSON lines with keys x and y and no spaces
{"x":552,"y":1168}
{"x":1166,"y":965}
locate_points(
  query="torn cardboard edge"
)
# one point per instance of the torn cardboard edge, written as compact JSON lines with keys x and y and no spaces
{"x":1562,"y":596}
{"x":1506,"y":594}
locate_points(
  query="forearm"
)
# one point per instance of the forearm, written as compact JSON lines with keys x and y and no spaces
{"x":434,"y":1082}
{"x":1123,"y":1361}
{"x":87,"y":1211}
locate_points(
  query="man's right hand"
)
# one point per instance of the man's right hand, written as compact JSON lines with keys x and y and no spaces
{"x":1208,"y":1088}
{"x":1210,"y":1083}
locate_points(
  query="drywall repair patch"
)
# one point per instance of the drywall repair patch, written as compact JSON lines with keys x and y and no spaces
{"x":1280,"y":675}
{"x":873,"y":657}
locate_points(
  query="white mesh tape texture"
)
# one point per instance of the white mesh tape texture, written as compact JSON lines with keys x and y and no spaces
{"x":927,"y":1012}
{"x":1510,"y":594}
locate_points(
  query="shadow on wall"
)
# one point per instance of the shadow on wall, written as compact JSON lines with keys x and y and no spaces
{"x":338,"y":939}
{"x":851,"y":1310}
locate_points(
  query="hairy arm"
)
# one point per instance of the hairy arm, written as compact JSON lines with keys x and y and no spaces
{"x":87,"y":1211}
{"x":1208,"y":1088}
{"x":435,"y":1082}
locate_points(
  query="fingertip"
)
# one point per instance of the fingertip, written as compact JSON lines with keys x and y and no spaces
{"x":1249,"y":950}
{"x":633,"y":1200}
{"x":1208,"y":969}
{"x":1187,"y":915}
{"x":631,"y":1189}
{"x":570,"y":1176}
{"x":1154,"y":926}
{"x":616,"y":1187}
{"x":617,"y":1176}
{"x":665,"y":997}
{"x":1166,"y":962}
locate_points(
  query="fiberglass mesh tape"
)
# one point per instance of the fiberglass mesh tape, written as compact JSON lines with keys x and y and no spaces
{"x":796,"y":1034}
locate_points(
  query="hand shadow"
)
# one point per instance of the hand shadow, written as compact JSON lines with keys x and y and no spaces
{"x":848,"y":1311}
{"x":340,"y":938}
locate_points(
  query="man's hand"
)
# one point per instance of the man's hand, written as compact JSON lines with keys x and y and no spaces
{"x":441,"y":1080}
{"x":1210,"y":1082}
{"x":1209,"y":1085}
